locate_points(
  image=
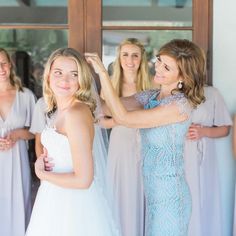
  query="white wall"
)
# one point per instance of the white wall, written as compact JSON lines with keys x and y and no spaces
{"x":224,"y":78}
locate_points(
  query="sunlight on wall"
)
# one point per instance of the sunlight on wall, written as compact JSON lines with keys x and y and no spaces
{"x":224,"y":76}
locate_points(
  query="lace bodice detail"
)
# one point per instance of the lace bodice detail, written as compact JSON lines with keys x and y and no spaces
{"x":144,"y":96}
{"x":165,"y":143}
{"x":167,"y":195}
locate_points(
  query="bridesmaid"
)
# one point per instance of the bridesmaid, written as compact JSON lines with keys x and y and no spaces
{"x":130,"y":75}
{"x":234,"y":152}
{"x":211,"y":120}
{"x":164,"y":118}
{"x":16,"y":108}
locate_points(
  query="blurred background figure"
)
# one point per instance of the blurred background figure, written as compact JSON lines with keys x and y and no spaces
{"x":37,"y":75}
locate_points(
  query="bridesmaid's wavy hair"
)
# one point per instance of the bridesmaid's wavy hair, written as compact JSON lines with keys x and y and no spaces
{"x":84,"y":92}
{"x":191,"y":62}
{"x":14,"y":80}
{"x":143,"y":76}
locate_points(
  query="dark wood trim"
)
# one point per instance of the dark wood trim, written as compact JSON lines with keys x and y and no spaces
{"x":200,"y":23}
{"x":210,"y":44}
{"x":94,"y":26}
{"x":202,"y":28}
{"x":76,"y":21}
{"x":85,"y":32}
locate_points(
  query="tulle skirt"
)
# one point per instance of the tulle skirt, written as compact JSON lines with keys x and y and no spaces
{"x":71,"y":212}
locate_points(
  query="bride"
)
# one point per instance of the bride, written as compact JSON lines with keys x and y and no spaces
{"x":70,"y":200}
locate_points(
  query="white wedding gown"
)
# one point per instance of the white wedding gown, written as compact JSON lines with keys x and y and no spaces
{"x":68,"y":212}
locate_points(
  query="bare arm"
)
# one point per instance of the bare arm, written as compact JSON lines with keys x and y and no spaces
{"x":107,"y":123}
{"x":197,"y":132}
{"x":22,"y":133}
{"x":137,"y":119}
{"x":130,"y":104}
{"x":234,"y":137}
{"x":80,"y":132}
{"x":38,"y":145}
{"x":13,"y":136}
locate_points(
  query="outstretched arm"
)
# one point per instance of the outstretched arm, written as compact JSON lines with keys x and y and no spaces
{"x":161,"y":115}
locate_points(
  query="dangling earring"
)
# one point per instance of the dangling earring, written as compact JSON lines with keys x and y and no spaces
{"x":180,"y":84}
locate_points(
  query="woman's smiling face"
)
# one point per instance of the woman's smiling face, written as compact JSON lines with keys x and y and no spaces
{"x":5,"y":68}
{"x":130,"y":57}
{"x":64,"y":76}
{"x":167,"y":72}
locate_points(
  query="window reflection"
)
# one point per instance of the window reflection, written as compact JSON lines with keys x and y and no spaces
{"x":172,"y":3}
{"x":33,"y":12}
{"x":34,"y":3}
{"x":147,"y":13}
{"x":30,"y":50}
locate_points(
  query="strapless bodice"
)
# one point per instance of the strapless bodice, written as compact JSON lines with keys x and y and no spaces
{"x":58,"y":148}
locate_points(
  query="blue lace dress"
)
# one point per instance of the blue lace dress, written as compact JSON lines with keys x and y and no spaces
{"x":168,"y":200}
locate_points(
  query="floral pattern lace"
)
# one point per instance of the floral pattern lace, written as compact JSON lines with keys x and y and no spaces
{"x":168,"y":200}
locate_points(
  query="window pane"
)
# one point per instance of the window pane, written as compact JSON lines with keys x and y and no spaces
{"x":152,"y":41}
{"x":51,"y":3}
{"x":30,"y":50}
{"x":147,"y":13}
{"x":33,"y":12}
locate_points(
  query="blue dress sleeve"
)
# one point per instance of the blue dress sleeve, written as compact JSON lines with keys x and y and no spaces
{"x":184,"y":106}
{"x":144,"y":96}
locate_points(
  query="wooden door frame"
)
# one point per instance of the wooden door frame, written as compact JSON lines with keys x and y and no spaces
{"x":203,"y":31}
{"x":85,"y":25}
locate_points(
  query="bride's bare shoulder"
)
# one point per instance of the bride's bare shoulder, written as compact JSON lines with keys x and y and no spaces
{"x":79,"y":112}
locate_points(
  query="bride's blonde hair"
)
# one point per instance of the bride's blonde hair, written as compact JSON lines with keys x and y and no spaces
{"x":84,"y":92}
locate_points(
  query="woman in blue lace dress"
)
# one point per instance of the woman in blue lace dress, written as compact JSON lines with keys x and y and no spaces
{"x":164,"y":117}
